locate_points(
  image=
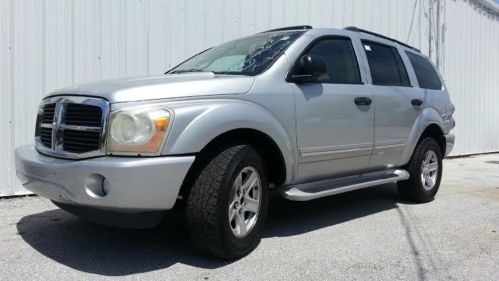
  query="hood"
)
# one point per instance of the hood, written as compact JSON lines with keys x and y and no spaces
{"x":162,"y":87}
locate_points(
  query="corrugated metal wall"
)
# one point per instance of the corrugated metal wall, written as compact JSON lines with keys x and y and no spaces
{"x":471,"y":70}
{"x":48,"y":44}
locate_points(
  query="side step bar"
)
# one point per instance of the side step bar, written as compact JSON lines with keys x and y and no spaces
{"x":323,"y":188}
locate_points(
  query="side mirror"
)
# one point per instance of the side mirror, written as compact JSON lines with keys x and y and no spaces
{"x":308,"y":69}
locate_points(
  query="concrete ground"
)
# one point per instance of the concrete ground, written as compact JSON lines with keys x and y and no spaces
{"x":363,"y":235}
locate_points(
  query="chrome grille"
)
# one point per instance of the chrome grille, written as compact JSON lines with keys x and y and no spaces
{"x":83,"y":115}
{"x":72,"y":127}
{"x":46,"y":137}
{"x":80,"y":141}
{"x":48,"y":113}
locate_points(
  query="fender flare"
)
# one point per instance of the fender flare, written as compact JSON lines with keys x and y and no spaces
{"x":195,"y":126}
{"x":429,"y":116}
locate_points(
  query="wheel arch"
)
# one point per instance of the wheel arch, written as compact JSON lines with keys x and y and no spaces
{"x":210,"y":126}
{"x":261,"y":142}
{"x":428,"y":124}
{"x":434,"y":131}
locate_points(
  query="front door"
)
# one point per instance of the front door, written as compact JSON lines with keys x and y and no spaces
{"x":334,"y":115}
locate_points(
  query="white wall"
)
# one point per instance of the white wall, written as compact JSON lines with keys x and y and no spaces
{"x":471,"y":70}
{"x":48,"y":44}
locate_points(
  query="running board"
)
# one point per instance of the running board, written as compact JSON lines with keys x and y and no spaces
{"x":318,"y":189}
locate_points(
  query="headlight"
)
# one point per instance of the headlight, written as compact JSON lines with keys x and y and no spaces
{"x":137,"y":130}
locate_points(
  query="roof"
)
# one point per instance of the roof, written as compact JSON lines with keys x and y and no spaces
{"x":491,"y":5}
{"x":355,"y":29}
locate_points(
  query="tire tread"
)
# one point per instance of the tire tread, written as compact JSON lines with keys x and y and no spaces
{"x":203,"y":206}
{"x":412,"y":189}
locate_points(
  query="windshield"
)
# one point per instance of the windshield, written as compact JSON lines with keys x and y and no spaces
{"x":246,"y":56}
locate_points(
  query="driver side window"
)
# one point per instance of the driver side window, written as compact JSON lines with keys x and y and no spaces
{"x":342,"y":66}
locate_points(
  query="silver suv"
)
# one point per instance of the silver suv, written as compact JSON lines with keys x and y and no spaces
{"x":308,"y":112}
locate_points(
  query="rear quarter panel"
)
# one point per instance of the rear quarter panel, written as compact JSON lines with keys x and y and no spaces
{"x":438,"y":110}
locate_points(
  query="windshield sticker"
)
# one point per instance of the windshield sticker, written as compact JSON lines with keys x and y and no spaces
{"x":247,"y":56}
{"x":367,"y":47}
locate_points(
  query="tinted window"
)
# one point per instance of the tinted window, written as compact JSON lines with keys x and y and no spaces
{"x":342,"y":66}
{"x":386,"y":65}
{"x":425,"y":72}
{"x":403,"y":72}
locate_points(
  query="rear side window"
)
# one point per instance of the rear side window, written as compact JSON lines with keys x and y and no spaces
{"x":425,"y":72}
{"x":340,"y":58}
{"x":386,"y":66}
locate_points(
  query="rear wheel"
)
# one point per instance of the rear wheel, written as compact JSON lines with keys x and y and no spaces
{"x":227,"y":204}
{"x":425,"y":169}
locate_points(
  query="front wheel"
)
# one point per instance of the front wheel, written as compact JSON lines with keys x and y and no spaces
{"x":425,"y":169}
{"x":227,"y":204}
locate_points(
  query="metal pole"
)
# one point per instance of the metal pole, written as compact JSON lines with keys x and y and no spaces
{"x":437,"y":41}
{"x":430,"y":24}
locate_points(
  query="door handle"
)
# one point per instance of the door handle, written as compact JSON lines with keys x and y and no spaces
{"x":363,"y":101}
{"x":416,"y":102}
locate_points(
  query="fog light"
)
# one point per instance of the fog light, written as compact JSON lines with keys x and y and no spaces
{"x":96,"y":186}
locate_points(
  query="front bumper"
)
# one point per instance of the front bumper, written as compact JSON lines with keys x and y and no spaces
{"x":123,"y":184}
{"x":449,"y":140}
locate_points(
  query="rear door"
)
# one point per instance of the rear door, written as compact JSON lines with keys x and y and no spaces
{"x":397,"y":103}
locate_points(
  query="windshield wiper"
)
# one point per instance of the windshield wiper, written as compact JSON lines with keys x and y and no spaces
{"x":232,"y":73}
{"x":189,"y":70}
{"x":202,"y":70}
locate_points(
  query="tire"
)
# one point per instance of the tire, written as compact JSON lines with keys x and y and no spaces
{"x":211,"y":201}
{"x":418,"y":187}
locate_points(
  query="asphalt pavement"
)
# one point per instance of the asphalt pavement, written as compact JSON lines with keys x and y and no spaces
{"x":362,"y":235}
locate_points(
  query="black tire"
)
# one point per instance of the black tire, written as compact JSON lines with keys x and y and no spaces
{"x":413,"y":188}
{"x":208,"y":202}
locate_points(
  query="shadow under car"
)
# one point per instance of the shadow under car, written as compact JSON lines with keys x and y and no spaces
{"x":109,"y":251}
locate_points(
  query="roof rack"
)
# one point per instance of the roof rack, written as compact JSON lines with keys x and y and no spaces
{"x":356,"y":29}
{"x":289,"y":28}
